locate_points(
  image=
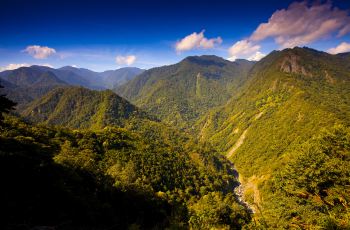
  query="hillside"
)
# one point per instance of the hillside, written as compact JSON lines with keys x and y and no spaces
{"x":290,"y":97}
{"x":154,"y":178}
{"x":25,"y":84}
{"x":179,"y":94}
{"x":115,"y":78}
{"x":78,"y":107}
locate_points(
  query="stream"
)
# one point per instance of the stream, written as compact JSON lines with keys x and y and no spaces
{"x":239,"y":191}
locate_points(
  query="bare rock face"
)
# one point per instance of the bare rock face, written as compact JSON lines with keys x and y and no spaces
{"x":330,"y":79}
{"x":291,"y":64}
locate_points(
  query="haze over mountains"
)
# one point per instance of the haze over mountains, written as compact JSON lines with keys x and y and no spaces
{"x":28,"y":83}
{"x":282,"y":121}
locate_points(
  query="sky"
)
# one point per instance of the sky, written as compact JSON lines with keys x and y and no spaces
{"x":101,"y":35}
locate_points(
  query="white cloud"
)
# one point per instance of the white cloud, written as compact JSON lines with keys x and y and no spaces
{"x":125,"y":60}
{"x":242,"y":49}
{"x":19,"y":65}
{"x":301,"y":24}
{"x":47,"y":65}
{"x":256,"y":57}
{"x":39,"y":52}
{"x":341,"y":48}
{"x":14,"y":66}
{"x":196,"y":40}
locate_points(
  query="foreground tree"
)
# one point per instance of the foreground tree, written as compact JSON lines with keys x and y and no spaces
{"x":6,"y":105}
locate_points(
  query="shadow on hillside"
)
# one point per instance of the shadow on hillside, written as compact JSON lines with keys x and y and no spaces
{"x":37,"y":192}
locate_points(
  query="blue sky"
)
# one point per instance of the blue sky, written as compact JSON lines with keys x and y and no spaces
{"x":102,"y":35}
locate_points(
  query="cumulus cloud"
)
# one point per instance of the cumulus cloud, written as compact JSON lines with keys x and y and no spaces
{"x":14,"y":66}
{"x":257,"y":56}
{"x":243,"y":48}
{"x":341,"y":48}
{"x":195,"y":41}
{"x":19,"y":65}
{"x":39,"y":52}
{"x":125,"y":60}
{"x":301,"y":24}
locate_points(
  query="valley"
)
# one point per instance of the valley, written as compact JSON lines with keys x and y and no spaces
{"x":202,"y":144}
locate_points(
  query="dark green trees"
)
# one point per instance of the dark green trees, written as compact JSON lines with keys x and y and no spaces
{"x":6,"y":105}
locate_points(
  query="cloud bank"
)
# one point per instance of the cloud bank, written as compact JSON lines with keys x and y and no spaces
{"x":14,"y":66}
{"x":195,"y":41}
{"x":243,"y":48}
{"x":125,"y":60}
{"x":300,"y":24}
{"x":341,"y":48}
{"x":39,"y":52}
{"x":19,"y":65}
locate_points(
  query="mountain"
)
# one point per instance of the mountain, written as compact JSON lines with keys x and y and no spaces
{"x":88,"y":78}
{"x":152,"y":177}
{"x":30,"y":77}
{"x":289,"y":107}
{"x":104,"y":80}
{"x":114,"y":78}
{"x":25,"y":84}
{"x":78,"y":107}
{"x":179,"y":94}
{"x":282,"y":121}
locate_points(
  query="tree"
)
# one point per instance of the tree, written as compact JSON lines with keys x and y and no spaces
{"x":6,"y":105}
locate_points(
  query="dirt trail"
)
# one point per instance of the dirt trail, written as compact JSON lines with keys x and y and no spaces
{"x":237,"y":144}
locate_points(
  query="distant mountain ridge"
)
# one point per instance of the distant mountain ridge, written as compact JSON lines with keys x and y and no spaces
{"x":180,"y":93}
{"x":25,"y":84}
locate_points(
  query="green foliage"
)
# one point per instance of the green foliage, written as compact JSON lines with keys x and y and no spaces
{"x":289,"y":97}
{"x":111,"y":177}
{"x":179,"y":94}
{"x":215,"y":211}
{"x":6,"y":105}
{"x":314,"y":188}
{"x":77,"y":107}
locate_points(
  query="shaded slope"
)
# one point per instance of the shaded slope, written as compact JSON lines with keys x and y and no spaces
{"x":27,"y":84}
{"x":290,"y":96}
{"x":180,"y":93}
{"x":115,"y":78}
{"x":81,"y":108}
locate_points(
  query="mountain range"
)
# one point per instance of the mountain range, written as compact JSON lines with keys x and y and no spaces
{"x":179,"y":94}
{"x":25,"y":84}
{"x":283,"y":122}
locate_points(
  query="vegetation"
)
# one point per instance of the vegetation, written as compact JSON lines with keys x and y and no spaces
{"x":289,"y":98}
{"x":6,"y":105}
{"x":283,"y":122}
{"x":313,"y":190}
{"x":78,"y":107}
{"x":179,"y":94}
{"x":113,"y":178}
{"x":26,"y":84}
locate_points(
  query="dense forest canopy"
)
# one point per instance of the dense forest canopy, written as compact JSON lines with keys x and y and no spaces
{"x":207,"y":144}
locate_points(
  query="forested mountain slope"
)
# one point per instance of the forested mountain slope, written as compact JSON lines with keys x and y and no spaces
{"x":30,"y":83}
{"x":115,"y":78}
{"x":153,"y":178}
{"x":179,"y":94}
{"x":289,"y":98}
{"x":77,"y":107}
{"x":25,"y":84}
